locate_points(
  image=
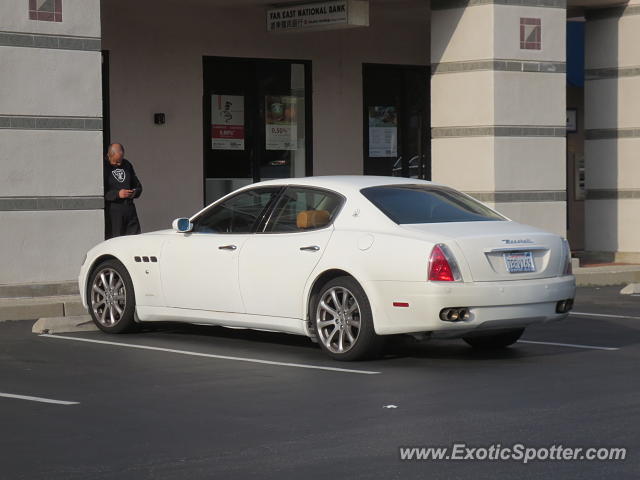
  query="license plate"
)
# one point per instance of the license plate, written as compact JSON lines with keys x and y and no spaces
{"x":519,"y":262}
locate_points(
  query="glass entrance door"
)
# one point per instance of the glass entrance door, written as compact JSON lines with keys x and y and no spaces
{"x":257,"y":118}
{"x":396,"y":121}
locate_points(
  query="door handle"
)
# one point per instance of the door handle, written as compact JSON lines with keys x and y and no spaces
{"x":311,"y":248}
{"x":227,"y":247}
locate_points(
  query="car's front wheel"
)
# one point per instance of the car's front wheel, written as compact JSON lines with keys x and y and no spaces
{"x":495,"y":340}
{"x":111,"y":298}
{"x":342,"y":321}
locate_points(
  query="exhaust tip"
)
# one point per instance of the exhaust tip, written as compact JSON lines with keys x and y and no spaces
{"x":455,"y":314}
{"x":564,"y":306}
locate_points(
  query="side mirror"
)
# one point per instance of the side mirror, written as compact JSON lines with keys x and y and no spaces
{"x":182,"y":225}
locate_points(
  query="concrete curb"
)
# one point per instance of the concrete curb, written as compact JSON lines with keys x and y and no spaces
{"x":77,"y":323}
{"x":29,"y":312}
{"x":39,"y":307}
{"x":607,"y":276}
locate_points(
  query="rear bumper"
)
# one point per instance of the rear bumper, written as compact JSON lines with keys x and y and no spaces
{"x":499,"y":305}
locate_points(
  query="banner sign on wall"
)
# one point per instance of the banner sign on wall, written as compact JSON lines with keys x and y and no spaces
{"x":281,"y":122}
{"x":319,"y":16}
{"x":383,"y":131}
{"x":227,"y":122}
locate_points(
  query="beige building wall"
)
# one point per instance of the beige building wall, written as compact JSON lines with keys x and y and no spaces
{"x":498,"y":111}
{"x":612,"y":110}
{"x":156,"y":52}
{"x":50,"y":141}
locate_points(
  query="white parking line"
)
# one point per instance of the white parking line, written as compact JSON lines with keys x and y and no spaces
{"x":209,"y":355}
{"x":38,"y":399}
{"x":572,"y":345}
{"x":585,"y":314}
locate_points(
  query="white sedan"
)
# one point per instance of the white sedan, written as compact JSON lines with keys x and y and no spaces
{"x":344,"y":260}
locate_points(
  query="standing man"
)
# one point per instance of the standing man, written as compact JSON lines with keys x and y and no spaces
{"x":121,"y":186}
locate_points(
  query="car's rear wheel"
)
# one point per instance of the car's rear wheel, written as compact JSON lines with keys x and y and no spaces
{"x":111,"y":298}
{"x":342,"y":321}
{"x":495,"y":340}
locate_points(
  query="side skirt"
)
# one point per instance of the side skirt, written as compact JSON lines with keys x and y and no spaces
{"x":295,"y":326}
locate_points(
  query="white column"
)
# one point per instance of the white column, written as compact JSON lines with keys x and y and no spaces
{"x":612,"y":149}
{"x":498,"y":105}
{"x":50,"y":138}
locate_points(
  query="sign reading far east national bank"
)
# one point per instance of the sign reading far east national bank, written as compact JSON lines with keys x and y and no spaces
{"x":326,"y":15}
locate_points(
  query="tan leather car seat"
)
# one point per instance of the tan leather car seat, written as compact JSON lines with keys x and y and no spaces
{"x":312,"y":219}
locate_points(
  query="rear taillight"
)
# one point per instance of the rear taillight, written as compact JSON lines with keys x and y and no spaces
{"x":568,"y":269}
{"x":442,"y":265}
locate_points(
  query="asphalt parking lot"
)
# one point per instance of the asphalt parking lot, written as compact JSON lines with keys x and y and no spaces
{"x":171,"y":403}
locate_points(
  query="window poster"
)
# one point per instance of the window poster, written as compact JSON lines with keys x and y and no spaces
{"x":383,"y":131}
{"x":281,"y":122}
{"x":227,"y":122}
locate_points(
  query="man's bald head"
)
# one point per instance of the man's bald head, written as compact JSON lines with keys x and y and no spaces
{"x":115,"y":153}
{"x":116,"y":147}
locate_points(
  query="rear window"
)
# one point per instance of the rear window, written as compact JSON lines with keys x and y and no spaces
{"x":428,"y":204}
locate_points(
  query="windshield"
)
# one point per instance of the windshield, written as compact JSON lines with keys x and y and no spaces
{"x":428,"y":204}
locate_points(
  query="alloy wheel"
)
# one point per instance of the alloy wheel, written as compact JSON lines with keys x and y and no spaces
{"x":338,"y":320}
{"x":108,"y":297}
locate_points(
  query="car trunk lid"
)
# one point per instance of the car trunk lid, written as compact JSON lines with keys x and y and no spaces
{"x":500,"y":250}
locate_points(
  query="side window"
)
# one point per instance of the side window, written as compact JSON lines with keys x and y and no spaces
{"x":238,"y":214}
{"x":302,"y":209}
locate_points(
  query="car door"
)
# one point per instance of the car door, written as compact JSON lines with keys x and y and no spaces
{"x":276,"y":262}
{"x":199,"y":269}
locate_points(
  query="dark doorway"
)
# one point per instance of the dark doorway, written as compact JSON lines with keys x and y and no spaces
{"x":396,"y":121}
{"x":576,"y":184}
{"x":257,"y":122}
{"x":106,"y":118}
{"x":106,"y":113}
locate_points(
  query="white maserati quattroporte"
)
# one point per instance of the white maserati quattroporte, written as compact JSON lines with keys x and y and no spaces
{"x":344,"y":260}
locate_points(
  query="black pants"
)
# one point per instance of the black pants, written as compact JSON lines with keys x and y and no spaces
{"x":121,"y":219}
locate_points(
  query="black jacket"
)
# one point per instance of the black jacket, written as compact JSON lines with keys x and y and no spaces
{"x":118,"y":177}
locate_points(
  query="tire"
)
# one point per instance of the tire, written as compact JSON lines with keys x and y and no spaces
{"x":496,"y":340}
{"x":342,"y":321}
{"x":111,"y":299}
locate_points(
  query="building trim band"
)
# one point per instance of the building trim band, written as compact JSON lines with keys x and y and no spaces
{"x":613,"y":194}
{"x":497,"y":65}
{"x":58,"y":42}
{"x":12,"y":204}
{"x":612,"y":133}
{"x":499,"y":131}
{"x":613,"y":73}
{"x":520,"y":196}
{"x":449,"y":4}
{"x":24,"y":122}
